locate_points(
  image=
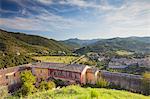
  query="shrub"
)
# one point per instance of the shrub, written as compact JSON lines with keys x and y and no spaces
{"x":42,"y":85}
{"x":146,"y":83}
{"x":59,"y":82}
{"x":51,"y":85}
{"x":3,"y":92}
{"x":102,"y":83}
{"x":114,"y":86}
{"x":46,"y":85}
{"x":28,"y":81}
{"x":18,"y":93}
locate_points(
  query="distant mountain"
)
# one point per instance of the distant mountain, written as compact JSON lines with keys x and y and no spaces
{"x":78,"y":43}
{"x":136,"y":44}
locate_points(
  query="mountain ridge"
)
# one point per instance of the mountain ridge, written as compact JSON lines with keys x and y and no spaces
{"x":24,"y":41}
{"x":135,"y":44}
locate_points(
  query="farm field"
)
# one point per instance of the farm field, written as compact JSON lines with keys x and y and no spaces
{"x":58,"y":59}
{"x":77,"y":92}
{"x":123,"y":52}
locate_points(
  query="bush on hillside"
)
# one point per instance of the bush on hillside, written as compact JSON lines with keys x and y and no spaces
{"x":146,"y":83}
{"x":46,"y":85}
{"x":102,"y":83}
{"x":3,"y":92}
{"x":59,"y":82}
{"x":50,"y":85}
{"x":9,"y":60}
{"x":28,"y":80}
{"x":42,"y":85}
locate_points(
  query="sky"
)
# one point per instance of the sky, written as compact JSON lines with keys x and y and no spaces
{"x":83,"y":19}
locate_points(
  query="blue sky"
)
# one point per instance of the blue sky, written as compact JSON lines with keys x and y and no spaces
{"x":83,"y":19}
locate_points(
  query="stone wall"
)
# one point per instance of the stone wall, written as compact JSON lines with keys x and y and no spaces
{"x":125,"y":81}
{"x":10,"y":77}
{"x":40,"y":73}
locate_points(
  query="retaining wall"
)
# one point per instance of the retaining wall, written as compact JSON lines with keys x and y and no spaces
{"x":124,"y":80}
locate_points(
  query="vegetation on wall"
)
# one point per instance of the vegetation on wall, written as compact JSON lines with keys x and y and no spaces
{"x":102,"y":83}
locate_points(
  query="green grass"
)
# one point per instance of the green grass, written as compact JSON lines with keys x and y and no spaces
{"x":122,"y":52}
{"x":58,"y":59}
{"x":76,"y":92}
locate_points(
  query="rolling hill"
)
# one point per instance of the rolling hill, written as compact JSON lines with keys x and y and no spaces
{"x":24,"y":43}
{"x":78,"y":43}
{"x":135,"y":44}
{"x":15,"y":48}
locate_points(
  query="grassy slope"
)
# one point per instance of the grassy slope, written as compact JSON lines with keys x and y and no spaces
{"x":23,"y":43}
{"x":58,"y":59}
{"x":76,"y":92}
{"x":122,"y":52}
{"x":64,"y":59}
{"x":13,"y":43}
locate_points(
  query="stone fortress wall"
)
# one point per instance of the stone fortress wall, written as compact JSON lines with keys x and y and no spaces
{"x":124,"y":80}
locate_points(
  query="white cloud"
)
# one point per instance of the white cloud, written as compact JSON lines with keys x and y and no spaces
{"x":134,"y":15}
{"x":103,"y":5}
{"x":45,"y":1}
{"x":131,"y":18}
{"x":43,"y":22}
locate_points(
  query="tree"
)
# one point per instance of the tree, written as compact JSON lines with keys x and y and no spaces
{"x":51,"y":85}
{"x":42,"y":85}
{"x":146,"y":83}
{"x":46,"y":85}
{"x":28,"y":81}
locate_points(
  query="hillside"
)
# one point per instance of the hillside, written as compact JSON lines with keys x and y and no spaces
{"x":78,"y":43}
{"x":15,"y":48}
{"x":76,"y":92}
{"x":135,"y":44}
{"x":23,"y":43}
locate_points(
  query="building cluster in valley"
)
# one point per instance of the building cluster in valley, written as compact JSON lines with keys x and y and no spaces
{"x":121,"y":63}
{"x":72,"y":73}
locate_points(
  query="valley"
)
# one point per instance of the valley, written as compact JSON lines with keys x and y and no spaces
{"x":74,"y":49}
{"x":102,"y":58}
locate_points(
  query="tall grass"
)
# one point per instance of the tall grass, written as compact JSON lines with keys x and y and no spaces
{"x":77,"y":92}
{"x":58,"y":59}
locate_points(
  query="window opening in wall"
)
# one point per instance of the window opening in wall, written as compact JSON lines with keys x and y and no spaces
{"x":6,"y":77}
{"x":14,"y":75}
